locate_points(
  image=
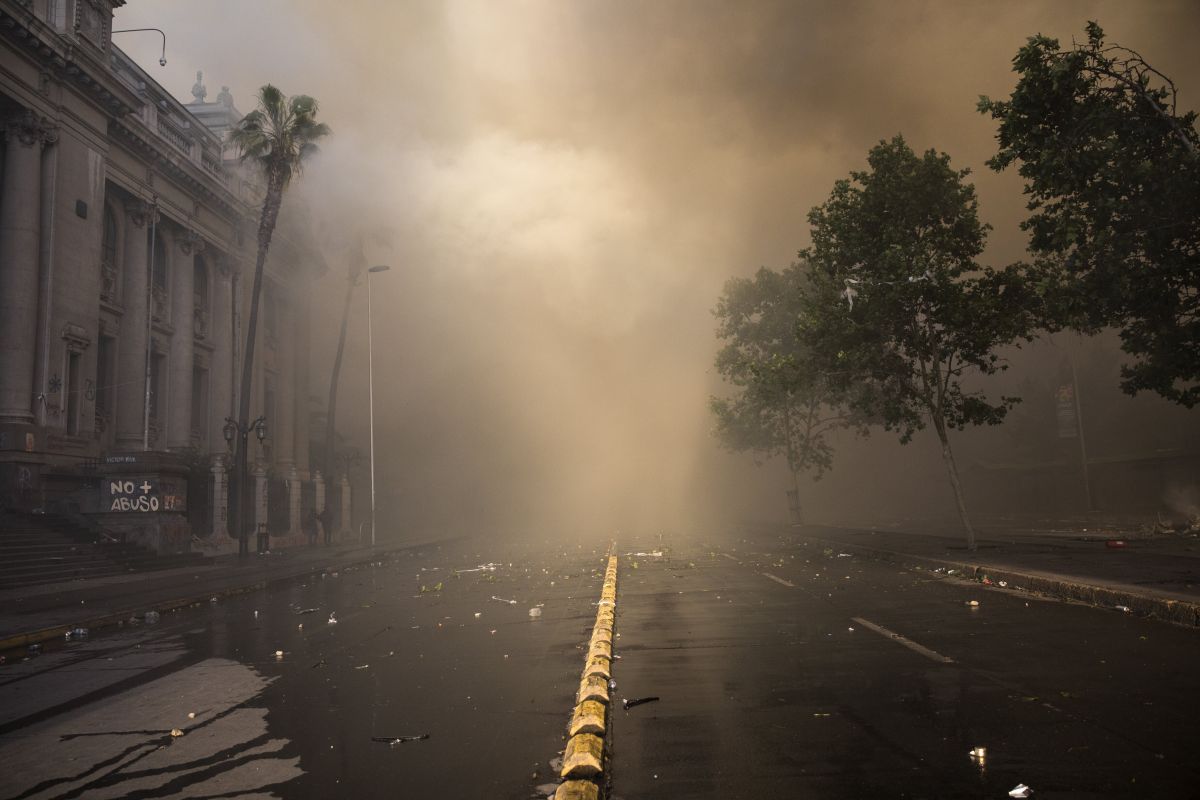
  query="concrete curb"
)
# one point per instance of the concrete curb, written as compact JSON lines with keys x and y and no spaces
{"x":583,"y":765}
{"x":116,"y":618}
{"x":1179,"y":612}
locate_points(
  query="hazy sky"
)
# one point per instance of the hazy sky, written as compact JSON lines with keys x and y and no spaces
{"x":563,"y":187}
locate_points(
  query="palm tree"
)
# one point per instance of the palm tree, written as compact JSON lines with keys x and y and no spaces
{"x":277,"y":136}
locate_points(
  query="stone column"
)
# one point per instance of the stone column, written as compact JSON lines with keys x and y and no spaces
{"x":20,"y":212}
{"x":221,"y":332}
{"x":220,"y":511}
{"x":285,"y":433}
{"x":295,"y":524}
{"x":179,"y":392}
{"x":131,"y":348}
{"x":260,"y":497}
{"x":346,"y":506}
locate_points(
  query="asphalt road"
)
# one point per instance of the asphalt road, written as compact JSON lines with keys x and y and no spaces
{"x":778,"y":667}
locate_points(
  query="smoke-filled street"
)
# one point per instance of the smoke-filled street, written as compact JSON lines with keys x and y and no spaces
{"x":779,"y":669}
{"x":599,"y":399}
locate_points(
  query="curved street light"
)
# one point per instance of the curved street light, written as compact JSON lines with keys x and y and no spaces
{"x":371,"y":389}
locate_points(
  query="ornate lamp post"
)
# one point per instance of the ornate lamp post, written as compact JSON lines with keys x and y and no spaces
{"x":231,"y":431}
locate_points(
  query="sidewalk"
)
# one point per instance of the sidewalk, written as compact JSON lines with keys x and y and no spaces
{"x":1152,"y":574}
{"x":32,"y":614}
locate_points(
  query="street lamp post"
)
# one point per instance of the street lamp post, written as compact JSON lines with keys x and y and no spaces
{"x":371,"y":391}
{"x":231,"y":430}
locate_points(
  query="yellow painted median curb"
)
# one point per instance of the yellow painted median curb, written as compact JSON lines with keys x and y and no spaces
{"x":588,"y":718}
{"x":584,"y":756}
{"x":577,"y":790}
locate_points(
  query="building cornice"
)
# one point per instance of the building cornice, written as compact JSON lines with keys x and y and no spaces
{"x":183,"y":172}
{"x":69,"y":61}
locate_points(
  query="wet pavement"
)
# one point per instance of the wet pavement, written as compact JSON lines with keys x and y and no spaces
{"x":782,"y":670}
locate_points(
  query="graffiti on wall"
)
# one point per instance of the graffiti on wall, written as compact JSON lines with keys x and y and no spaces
{"x":142,"y":495}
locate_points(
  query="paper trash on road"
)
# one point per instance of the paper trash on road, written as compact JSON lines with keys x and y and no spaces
{"x":332,"y":618}
{"x":1020,"y":790}
{"x":502,"y":600}
{"x":535,"y":612}
{"x":392,"y":741}
{"x":973,"y":603}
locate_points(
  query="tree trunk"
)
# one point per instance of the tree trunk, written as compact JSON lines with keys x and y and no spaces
{"x":794,"y":495}
{"x":331,"y":411}
{"x":952,"y":469}
{"x":266,"y":228}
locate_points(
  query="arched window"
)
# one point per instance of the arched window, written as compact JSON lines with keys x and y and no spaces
{"x":108,"y":257}
{"x":200,"y":296}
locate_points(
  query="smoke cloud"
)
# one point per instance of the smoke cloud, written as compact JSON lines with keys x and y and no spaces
{"x":562,"y":188}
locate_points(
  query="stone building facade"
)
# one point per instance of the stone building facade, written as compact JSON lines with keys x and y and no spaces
{"x":126,"y":255}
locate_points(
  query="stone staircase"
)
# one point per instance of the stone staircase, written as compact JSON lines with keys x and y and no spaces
{"x":45,"y":548}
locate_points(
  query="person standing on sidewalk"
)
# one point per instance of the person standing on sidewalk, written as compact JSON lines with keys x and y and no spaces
{"x":326,"y":520}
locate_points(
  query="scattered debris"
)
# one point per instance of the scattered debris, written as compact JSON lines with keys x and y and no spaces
{"x":364,"y":666}
{"x":1115,"y":544}
{"x":392,"y":741}
{"x":151,"y":617}
{"x":76,"y":634}
{"x":34,"y":649}
{"x":278,"y":655}
{"x":307,"y":611}
{"x":437,"y":587}
{"x":978,"y":753}
{"x":1003,"y":584}
{"x":535,"y":612}
{"x":176,"y":733}
{"x":1126,"y":609}
{"x":478,"y":614}
{"x":844,"y":555}
{"x":332,"y":618}
{"x":212,"y":599}
{"x":973,"y":603}
{"x":628,"y":704}
{"x":489,"y":567}
{"x":1020,"y":790}
{"x":502,"y":600}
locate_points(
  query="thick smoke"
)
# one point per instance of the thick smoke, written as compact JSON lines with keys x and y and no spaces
{"x":562,"y":189}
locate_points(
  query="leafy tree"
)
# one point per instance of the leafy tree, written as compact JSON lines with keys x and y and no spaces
{"x":1113,"y":180}
{"x":277,"y":137}
{"x":914,"y":313}
{"x":782,"y":406}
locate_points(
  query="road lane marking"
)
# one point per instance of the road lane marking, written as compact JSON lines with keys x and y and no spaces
{"x":933,"y":655}
{"x":789,"y":584}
